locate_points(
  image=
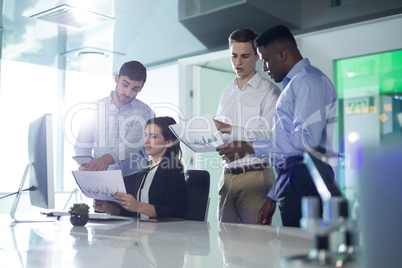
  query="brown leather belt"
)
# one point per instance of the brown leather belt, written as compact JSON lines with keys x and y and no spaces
{"x":248,"y":168}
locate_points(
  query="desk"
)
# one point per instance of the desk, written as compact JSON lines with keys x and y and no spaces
{"x":144,"y":244}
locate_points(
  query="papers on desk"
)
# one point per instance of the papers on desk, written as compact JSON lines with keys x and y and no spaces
{"x":198,"y":133}
{"x":100,"y":185}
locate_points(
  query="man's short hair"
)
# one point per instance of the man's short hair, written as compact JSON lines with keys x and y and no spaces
{"x":135,"y":70}
{"x":279,"y":33}
{"x":243,"y":36}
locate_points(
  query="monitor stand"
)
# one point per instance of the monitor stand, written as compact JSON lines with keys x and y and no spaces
{"x":27,"y":218}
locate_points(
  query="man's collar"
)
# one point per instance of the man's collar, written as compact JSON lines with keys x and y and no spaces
{"x":295,"y":70}
{"x":254,"y":81}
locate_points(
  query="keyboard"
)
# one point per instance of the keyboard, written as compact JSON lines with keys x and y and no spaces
{"x":106,"y":217}
{"x":55,"y":213}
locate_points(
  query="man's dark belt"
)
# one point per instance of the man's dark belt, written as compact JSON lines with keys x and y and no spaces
{"x":248,"y":168}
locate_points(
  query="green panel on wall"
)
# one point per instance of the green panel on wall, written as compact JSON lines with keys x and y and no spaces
{"x":378,"y":74}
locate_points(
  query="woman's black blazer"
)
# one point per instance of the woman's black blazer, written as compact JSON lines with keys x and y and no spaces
{"x":166,"y":193}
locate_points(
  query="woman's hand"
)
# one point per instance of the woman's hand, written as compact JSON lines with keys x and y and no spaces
{"x":127,"y":201}
{"x":101,"y":205}
{"x":104,"y":206}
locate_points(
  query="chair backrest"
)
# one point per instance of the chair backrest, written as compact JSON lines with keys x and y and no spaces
{"x":197,"y":195}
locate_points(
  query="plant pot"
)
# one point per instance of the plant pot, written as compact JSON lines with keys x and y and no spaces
{"x":78,"y":219}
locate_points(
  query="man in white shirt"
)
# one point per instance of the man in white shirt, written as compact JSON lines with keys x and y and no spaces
{"x":114,"y":136}
{"x":245,"y":112}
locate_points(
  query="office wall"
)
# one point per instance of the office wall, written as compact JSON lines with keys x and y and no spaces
{"x":161,"y":90}
{"x":208,"y":87}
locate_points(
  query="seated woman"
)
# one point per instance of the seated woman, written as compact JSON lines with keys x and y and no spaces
{"x":159,"y":190}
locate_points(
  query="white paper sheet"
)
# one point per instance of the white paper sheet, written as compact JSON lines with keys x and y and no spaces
{"x":100,"y":185}
{"x":199,"y":133}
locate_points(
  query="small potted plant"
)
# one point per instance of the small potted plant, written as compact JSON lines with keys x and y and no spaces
{"x":79,"y":214}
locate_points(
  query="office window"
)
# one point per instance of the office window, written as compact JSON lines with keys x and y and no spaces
{"x":81,"y":88}
{"x":27,"y":91}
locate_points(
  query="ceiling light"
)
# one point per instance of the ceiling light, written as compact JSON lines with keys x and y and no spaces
{"x":90,"y":52}
{"x":71,"y":17}
{"x":351,"y":74}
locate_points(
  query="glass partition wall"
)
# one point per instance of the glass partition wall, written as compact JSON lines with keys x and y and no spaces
{"x":370,"y":108}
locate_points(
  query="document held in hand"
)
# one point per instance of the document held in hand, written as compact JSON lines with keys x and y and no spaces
{"x":198,"y":133}
{"x":100,"y":185}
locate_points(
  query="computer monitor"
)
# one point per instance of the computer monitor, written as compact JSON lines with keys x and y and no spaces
{"x":40,"y":166}
{"x":380,"y":211}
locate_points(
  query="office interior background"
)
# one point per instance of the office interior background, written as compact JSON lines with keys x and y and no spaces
{"x":59,"y":55}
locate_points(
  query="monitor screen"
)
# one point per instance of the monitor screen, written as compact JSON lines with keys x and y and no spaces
{"x":40,"y":154}
{"x":40,"y":165}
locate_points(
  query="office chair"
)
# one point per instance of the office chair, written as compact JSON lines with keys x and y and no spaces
{"x":197,"y":195}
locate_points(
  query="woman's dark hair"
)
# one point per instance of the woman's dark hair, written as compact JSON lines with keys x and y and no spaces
{"x":173,"y":152}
